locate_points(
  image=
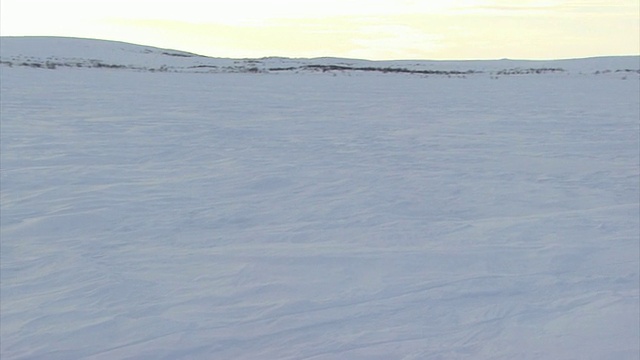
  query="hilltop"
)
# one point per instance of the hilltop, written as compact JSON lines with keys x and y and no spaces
{"x":56,"y":52}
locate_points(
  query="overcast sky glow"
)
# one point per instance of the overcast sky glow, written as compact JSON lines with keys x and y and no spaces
{"x":372,"y":29}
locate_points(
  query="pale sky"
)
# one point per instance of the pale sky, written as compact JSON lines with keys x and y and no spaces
{"x":369,"y":29}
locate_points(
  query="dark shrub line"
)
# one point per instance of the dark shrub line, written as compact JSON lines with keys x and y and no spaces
{"x":385,"y":70}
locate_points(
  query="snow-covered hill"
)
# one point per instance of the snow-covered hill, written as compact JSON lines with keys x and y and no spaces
{"x":299,"y":216}
{"x":52,"y":52}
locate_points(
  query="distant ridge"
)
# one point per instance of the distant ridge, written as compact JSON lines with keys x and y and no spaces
{"x":66,"y":52}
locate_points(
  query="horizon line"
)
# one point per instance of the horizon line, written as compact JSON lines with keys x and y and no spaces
{"x":312,"y":58}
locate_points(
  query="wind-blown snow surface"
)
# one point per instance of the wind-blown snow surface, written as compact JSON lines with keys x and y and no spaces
{"x":260,"y":216}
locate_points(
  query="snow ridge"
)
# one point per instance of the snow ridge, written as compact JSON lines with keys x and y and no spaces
{"x":54,"y":52}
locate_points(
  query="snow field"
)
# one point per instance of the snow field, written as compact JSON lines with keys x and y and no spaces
{"x":301,"y":216}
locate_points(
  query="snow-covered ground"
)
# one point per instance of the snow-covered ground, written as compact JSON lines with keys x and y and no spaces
{"x":56,"y":52}
{"x":319,"y":215}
